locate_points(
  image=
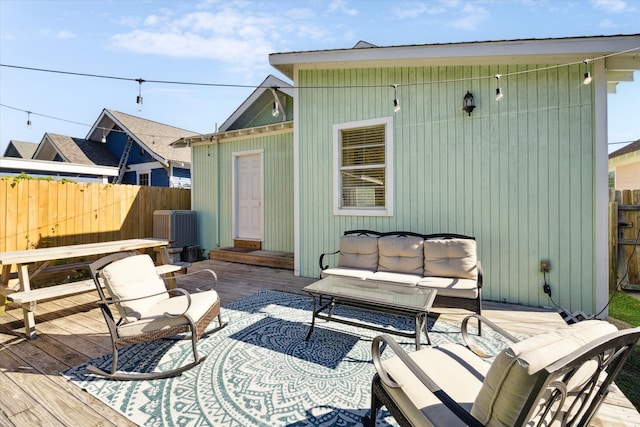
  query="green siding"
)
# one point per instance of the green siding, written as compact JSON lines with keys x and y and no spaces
{"x":518,"y":174}
{"x":278,"y":190}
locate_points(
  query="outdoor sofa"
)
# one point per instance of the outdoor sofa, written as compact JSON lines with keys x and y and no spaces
{"x":445,"y":262}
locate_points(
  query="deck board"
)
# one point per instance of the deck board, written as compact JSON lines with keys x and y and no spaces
{"x":71,"y":331}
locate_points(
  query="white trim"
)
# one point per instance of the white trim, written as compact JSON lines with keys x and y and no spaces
{"x":144,"y":166}
{"x":601,"y":191}
{"x":296,"y":181}
{"x":61,"y":167}
{"x":387,"y":122}
{"x":143,"y":172}
{"x":234,"y":158}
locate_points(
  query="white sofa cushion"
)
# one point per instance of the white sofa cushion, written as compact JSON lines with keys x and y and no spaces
{"x":134,"y":277}
{"x":356,"y":273}
{"x":516,"y":369}
{"x":401,"y":254}
{"x":451,"y":258}
{"x":451,"y":286}
{"x":395,"y":278}
{"x":442,"y":364}
{"x":359,"y":252}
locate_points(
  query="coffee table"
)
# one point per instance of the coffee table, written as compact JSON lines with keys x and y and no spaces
{"x":409,"y":301}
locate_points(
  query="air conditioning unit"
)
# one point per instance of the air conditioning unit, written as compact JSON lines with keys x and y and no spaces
{"x":176,"y":226}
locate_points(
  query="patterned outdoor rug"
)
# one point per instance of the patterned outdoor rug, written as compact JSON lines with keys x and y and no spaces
{"x":260,"y":371}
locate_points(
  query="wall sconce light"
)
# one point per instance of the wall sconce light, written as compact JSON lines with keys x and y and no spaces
{"x":467,"y":103}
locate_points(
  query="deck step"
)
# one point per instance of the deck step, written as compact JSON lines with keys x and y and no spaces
{"x":254,"y":257}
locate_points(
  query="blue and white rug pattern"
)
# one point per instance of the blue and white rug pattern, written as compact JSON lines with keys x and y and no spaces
{"x":260,"y":371}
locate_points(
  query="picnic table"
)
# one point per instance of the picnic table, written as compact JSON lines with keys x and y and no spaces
{"x":19,"y":290}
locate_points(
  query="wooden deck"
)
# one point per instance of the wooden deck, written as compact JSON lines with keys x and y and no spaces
{"x":71,"y":331}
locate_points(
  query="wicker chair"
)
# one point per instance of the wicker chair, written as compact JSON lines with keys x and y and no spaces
{"x":148,"y":311}
{"x":556,"y":378}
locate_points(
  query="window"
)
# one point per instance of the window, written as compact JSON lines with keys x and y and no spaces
{"x":362,"y":168}
{"x":612,"y":179}
{"x":144,"y":178}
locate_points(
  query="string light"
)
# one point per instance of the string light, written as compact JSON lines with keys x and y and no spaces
{"x":499,"y":93}
{"x":396,"y":103}
{"x":587,"y":74}
{"x":104,"y":137}
{"x":28,"y":119}
{"x":139,"y":98}
{"x":275,"y":112}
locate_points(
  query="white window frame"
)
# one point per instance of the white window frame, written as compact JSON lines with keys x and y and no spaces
{"x":143,"y":172}
{"x":387,"y":210}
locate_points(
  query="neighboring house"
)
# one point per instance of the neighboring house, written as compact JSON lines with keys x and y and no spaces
{"x":145,"y":156}
{"x":137,"y":149}
{"x":526,"y":175}
{"x":242,"y":174}
{"x":60,"y":157}
{"x":20,"y":149}
{"x":624,"y":167}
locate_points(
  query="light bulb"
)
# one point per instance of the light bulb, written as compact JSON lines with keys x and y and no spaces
{"x":396,"y":105}
{"x":499,"y":94}
{"x":275,"y":112}
{"x":139,"y":102}
{"x":587,"y":78}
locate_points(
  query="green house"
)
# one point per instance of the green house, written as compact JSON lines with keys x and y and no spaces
{"x":381,"y":141}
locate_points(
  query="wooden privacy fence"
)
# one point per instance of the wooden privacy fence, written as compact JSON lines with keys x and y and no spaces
{"x":43,"y":213}
{"x":624,"y":229}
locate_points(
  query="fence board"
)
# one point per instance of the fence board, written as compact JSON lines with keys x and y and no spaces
{"x":43,"y":213}
{"x":627,"y":255}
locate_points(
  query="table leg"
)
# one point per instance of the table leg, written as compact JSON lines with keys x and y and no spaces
{"x":166,"y":259}
{"x":27,"y":309}
{"x":313,"y":318}
{"x":4,"y":284}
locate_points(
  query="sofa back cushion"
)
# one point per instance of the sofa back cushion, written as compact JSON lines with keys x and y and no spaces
{"x":450,"y":258}
{"x":358,"y":252}
{"x":518,"y":369}
{"x":401,"y":254}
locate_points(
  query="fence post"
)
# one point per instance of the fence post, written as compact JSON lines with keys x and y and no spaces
{"x":613,"y":240}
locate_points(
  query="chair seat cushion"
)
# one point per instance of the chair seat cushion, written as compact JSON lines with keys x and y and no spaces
{"x":154,"y":319}
{"x":516,"y":370}
{"x":451,"y":287}
{"x":452,"y":366}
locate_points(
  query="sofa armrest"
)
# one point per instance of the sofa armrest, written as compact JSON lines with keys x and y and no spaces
{"x":437,"y":391}
{"x":469,"y":343}
{"x":320,"y":261}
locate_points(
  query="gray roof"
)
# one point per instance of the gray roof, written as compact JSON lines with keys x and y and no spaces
{"x":155,"y":137}
{"x":20,"y":149}
{"x":82,"y":151}
{"x":629,"y":148}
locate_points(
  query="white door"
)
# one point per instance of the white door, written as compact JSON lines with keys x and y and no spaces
{"x":248,"y":196}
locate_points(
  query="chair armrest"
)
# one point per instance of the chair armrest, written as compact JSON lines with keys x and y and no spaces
{"x":469,"y":343}
{"x":322,"y":257}
{"x":447,"y":400}
{"x":480,"y":273}
{"x":175,"y":290}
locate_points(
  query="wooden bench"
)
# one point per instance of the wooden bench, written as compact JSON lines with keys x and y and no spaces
{"x":66,"y":289}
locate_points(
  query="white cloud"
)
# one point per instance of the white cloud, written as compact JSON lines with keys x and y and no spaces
{"x":59,"y":35}
{"x":341,"y":6}
{"x":610,"y":6}
{"x":474,"y":15}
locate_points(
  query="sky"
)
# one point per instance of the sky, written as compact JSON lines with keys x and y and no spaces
{"x":226,"y":45}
